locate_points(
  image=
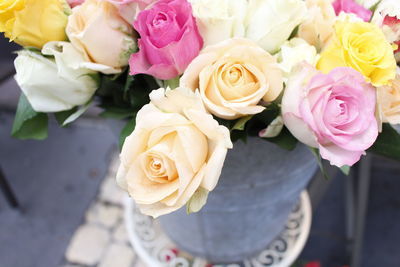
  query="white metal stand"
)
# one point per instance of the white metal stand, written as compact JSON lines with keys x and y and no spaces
{"x":156,"y":250}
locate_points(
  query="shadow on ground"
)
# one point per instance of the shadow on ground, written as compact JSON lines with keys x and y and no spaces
{"x":327,"y":242}
{"x":55,"y":180}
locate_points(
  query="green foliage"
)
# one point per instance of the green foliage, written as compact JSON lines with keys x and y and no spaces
{"x":285,"y":140}
{"x":173,"y":83}
{"x":346,"y":170}
{"x":388,"y":143}
{"x":64,"y":118}
{"x":123,"y":95}
{"x":241,"y":123}
{"x":128,"y":129}
{"x":252,"y":125}
{"x":317,"y":155}
{"x":117,"y":113}
{"x":29,"y":124}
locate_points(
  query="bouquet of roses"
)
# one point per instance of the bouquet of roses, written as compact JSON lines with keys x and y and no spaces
{"x":192,"y":76}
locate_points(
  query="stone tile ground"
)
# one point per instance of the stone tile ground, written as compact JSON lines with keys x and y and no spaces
{"x":102,"y":240}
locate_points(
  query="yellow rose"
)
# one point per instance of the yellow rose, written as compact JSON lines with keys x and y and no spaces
{"x":176,"y":150}
{"x":389,"y":102}
{"x":98,"y":31}
{"x":363,"y":47}
{"x":233,"y":76}
{"x":317,"y":29}
{"x":32,"y":22}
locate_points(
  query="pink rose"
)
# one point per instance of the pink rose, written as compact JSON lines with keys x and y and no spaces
{"x":129,"y":9}
{"x":74,"y":3}
{"x":333,"y":112}
{"x":351,"y":6}
{"x":169,"y":39}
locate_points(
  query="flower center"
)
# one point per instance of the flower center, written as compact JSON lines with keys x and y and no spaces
{"x":234,"y":80}
{"x":234,"y":75}
{"x":160,"y":19}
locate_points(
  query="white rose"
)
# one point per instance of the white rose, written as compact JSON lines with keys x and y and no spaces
{"x":176,"y":150}
{"x":65,"y":52}
{"x":219,"y":20}
{"x":53,"y":85}
{"x":295,"y":51}
{"x":98,"y":31}
{"x":391,"y":28}
{"x":270,"y":23}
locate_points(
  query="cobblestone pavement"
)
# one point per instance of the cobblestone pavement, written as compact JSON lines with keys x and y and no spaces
{"x":102,"y":240}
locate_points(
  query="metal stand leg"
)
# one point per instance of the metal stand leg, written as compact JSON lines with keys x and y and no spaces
{"x":8,"y":193}
{"x":357,"y":191}
{"x":350,"y":209}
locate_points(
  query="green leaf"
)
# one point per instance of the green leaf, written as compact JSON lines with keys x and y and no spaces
{"x":317,"y":155}
{"x":346,"y":170}
{"x":285,"y":140}
{"x":117,"y":113}
{"x":227,"y":123}
{"x":66,"y":117}
{"x":274,"y":129}
{"x":241,"y":124}
{"x":96,"y":77}
{"x":374,"y":7}
{"x":63,"y":115}
{"x":197,"y":201}
{"x":239,"y":135}
{"x":388,"y":143}
{"x":294,"y":32}
{"x":129,"y":81}
{"x":173,"y":83}
{"x":29,"y":124}
{"x":128,"y":129}
{"x":269,"y":114}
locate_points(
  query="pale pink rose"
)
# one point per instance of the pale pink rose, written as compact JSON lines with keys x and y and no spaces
{"x":351,"y":6}
{"x":74,"y":3}
{"x":169,"y":41}
{"x":333,"y":112}
{"x":129,"y":9}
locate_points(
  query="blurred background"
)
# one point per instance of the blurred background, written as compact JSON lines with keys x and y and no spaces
{"x":66,"y":210}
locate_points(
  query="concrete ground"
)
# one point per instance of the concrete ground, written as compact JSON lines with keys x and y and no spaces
{"x":55,"y":181}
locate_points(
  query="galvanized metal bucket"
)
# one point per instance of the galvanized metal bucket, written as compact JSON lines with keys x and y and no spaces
{"x":259,"y":186}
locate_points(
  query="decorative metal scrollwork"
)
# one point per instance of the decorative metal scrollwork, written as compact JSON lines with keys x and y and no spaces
{"x":155,"y":249}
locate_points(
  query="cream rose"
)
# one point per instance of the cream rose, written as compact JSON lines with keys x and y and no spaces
{"x":96,"y":29}
{"x":318,"y":28}
{"x":295,"y":51}
{"x":220,"y":20}
{"x":54,"y":85}
{"x":389,"y":101}
{"x":233,"y":76}
{"x":270,"y":23}
{"x":176,"y":150}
